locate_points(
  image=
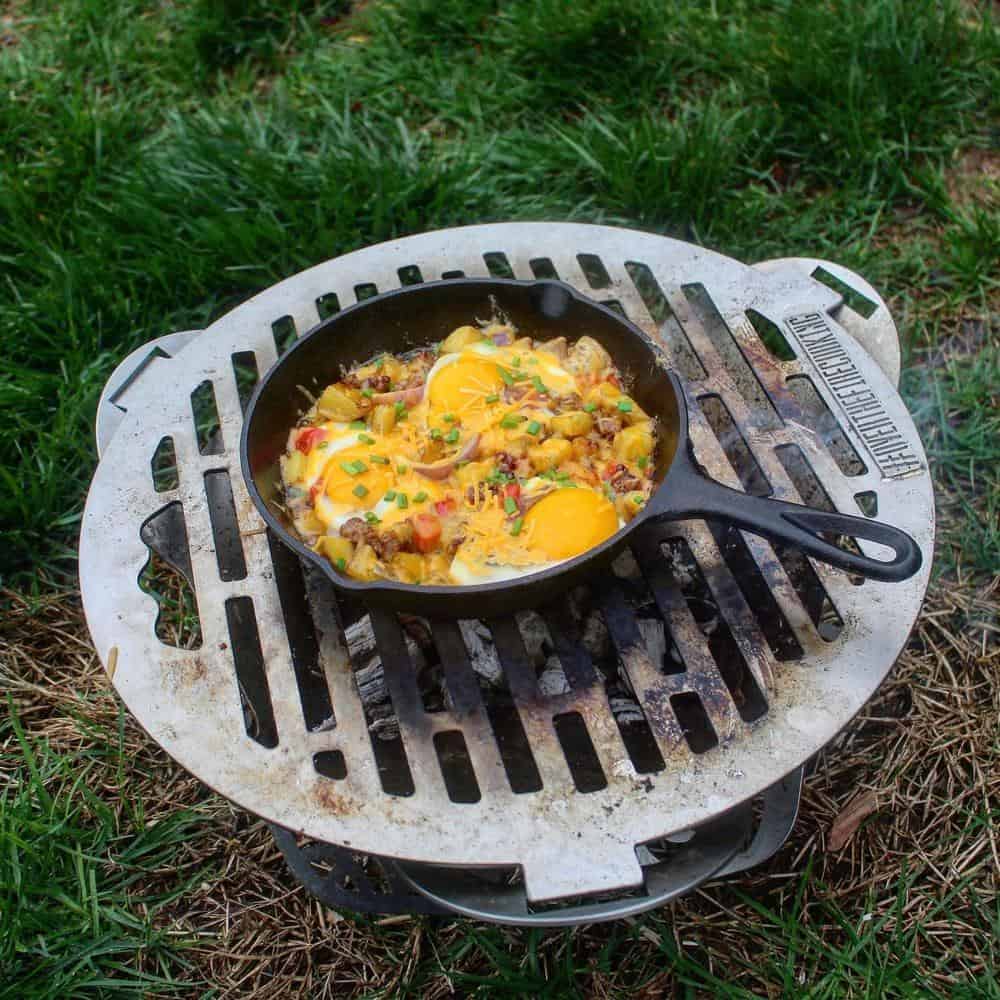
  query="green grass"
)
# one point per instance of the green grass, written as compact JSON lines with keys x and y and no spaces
{"x":164,"y":162}
{"x":81,"y":885}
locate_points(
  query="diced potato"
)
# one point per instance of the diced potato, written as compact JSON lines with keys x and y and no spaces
{"x":587,"y":356}
{"x":556,"y":346}
{"x":408,"y":566}
{"x":383,"y":418}
{"x":629,"y":505}
{"x":335,"y":547}
{"x":604,"y":394}
{"x":473,"y":472}
{"x":576,"y":423}
{"x":461,"y":337}
{"x":582,"y":446}
{"x":388,"y":365}
{"x":633,"y":442}
{"x":523,"y":344}
{"x":336,"y":403}
{"x":292,"y":466}
{"x":549,"y":454}
{"x":364,"y":564}
{"x":635,"y":414}
{"x":310,"y":524}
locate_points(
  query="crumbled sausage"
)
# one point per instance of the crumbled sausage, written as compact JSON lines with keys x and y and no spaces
{"x":506,"y":463}
{"x":377,"y":383}
{"x":609,"y":426}
{"x":385,"y":544}
{"x":354,"y":529}
{"x":622,"y":481}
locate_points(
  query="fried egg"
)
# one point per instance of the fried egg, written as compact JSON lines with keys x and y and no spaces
{"x":570,"y":521}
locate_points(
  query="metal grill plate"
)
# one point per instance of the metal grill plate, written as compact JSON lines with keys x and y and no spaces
{"x":565,"y":841}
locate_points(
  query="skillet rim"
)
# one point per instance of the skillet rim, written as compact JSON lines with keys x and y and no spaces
{"x":384,"y":590}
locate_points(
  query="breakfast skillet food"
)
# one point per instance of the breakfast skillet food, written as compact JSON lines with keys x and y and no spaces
{"x":484,"y":457}
{"x":400,"y":324}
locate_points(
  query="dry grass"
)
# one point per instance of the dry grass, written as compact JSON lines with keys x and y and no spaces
{"x":926,"y":746}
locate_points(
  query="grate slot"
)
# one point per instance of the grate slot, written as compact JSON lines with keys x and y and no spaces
{"x":813,"y":493}
{"x":450,"y":275}
{"x":690,"y":588}
{"x":328,"y":305}
{"x":410,"y":275}
{"x":208,"y":429}
{"x":330,"y":764}
{"x":225,"y":528}
{"x":578,"y":748}
{"x":732,"y":357}
{"x":853,"y":299}
{"x":283,"y":331}
{"x":251,"y":677}
{"x":314,"y":695}
{"x":771,"y":336}
{"x":681,"y":352}
{"x":750,"y":474}
{"x":694,"y":721}
{"x":166,"y":577}
{"x":817,"y":416}
{"x":456,"y":766}
{"x":498,"y":265}
{"x":867,"y":502}
{"x":164,"y":466}
{"x":462,"y":683}
{"x":594,"y":270}
{"x":246,"y":374}
{"x":762,"y":602}
{"x":580,"y":671}
{"x":543,"y":268}
{"x":391,"y":758}
{"x":365,"y":290}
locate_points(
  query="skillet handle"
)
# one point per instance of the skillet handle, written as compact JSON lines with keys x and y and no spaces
{"x":797,"y":525}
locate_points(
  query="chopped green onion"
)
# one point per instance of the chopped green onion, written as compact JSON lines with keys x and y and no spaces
{"x":367,"y":392}
{"x":449,"y":418}
{"x":515,"y":528}
{"x":511,"y":421}
{"x":590,"y":407}
{"x":351,"y":468}
{"x":436,"y":433}
{"x":452,"y":436}
{"x":402,"y":467}
{"x":510,"y":505}
{"x":358,"y":425}
{"x":390,"y":495}
{"x":625,"y":405}
{"x":372,"y":518}
{"x":340,"y":563}
{"x":505,"y":375}
{"x":419,"y":497}
{"x":516,"y":361}
{"x":638,"y":499}
{"x":534,"y":427}
{"x":539,"y":385}
{"x":492,"y":398}
{"x":366,"y":439}
{"x":378,"y":459}
{"x":643,"y":461}
{"x":608,"y":491}
{"x":323,"y":445}
{"x":402,"y":502}
{"x":360,"y":490}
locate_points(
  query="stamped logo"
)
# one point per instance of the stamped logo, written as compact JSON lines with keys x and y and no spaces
{"x":883,"y":439}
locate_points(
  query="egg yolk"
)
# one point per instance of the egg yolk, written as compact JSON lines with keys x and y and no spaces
{"x":346,"y":487}
{"x":464,"y":384}
{"x":570,"y":521}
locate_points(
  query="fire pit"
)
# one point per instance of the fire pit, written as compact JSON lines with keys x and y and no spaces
{"x":582,"y":761}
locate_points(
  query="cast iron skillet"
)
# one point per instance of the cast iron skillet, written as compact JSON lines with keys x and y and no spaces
{"x":419,"y":315}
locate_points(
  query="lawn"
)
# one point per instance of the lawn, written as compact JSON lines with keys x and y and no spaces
{"x":162,"y":162}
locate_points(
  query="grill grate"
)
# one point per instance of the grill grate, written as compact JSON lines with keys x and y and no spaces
{"x":661,"y":698}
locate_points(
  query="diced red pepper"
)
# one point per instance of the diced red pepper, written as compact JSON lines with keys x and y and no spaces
{"x":512,"y":490}
{"x":613,"y":379}
{"x":426,"y":532}
{"x":444,"y":507}
{"x":313,"y":490}
{"x":309,"y":438}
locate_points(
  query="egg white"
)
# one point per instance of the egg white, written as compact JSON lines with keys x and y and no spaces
{"x":468,"y":574}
